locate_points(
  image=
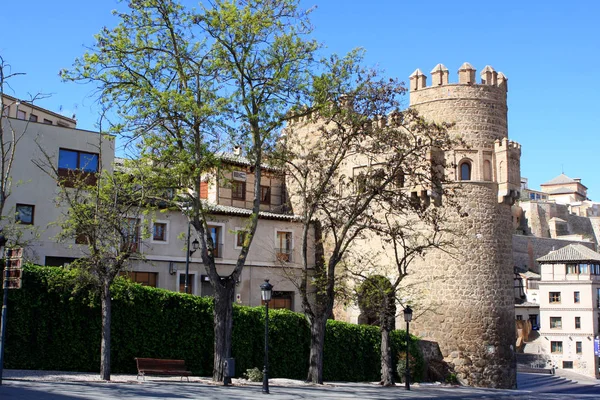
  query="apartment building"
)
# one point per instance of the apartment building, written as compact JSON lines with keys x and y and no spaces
{"x":274,"y":252}
{"x":569,"y":292}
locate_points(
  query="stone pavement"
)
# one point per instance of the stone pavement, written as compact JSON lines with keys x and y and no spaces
{"x":41,"y":385}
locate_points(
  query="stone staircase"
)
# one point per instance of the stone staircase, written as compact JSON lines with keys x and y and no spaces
{"x":532,"y":363}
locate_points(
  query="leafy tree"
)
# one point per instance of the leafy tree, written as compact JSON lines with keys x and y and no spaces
{"x":356,"y":122}
{"x":186,"y":85}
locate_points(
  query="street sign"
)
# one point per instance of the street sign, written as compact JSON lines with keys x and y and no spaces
{"x":597,"y":346}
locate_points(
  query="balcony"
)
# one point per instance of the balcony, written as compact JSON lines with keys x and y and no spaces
{"x":283,"y":255}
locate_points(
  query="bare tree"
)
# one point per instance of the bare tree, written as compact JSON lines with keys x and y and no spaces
{"x":11,"y":133}
{"x":354,"y":151}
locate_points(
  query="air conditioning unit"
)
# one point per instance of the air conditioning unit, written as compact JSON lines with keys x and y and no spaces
{"x":239,"y":176}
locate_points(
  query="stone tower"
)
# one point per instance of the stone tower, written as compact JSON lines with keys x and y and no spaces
{"x":468,"y":291}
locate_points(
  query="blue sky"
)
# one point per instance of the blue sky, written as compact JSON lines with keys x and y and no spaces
{"x":549,"y":50}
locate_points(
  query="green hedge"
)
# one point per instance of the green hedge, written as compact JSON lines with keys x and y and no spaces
{"x":52,"y":328}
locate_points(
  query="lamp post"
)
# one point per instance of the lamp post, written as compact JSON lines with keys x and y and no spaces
{"x":195,"y":245}
{"x":266,"y":289}
{"x":408,"y":312}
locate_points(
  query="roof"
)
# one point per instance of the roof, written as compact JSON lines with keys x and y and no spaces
{"x":241,"y":160}
{"x":572,"y":252}
{"x":527,"y":304}
{"x":560,"y":180}
{"x":230,"y":210}
{"x":561,"y":190}
{"x":531,"y":275}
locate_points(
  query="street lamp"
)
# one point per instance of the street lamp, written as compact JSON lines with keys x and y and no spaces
{"x":407,"y":317}
{"x":195,"y":245}
{"x":266,"y":289}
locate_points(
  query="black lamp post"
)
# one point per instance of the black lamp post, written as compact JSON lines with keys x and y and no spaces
{"x":195,"y":245}
{"x":407,"y":317}
{"x":266,"y":289}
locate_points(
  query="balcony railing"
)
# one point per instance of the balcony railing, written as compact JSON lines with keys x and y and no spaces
{"x":283,"y":255}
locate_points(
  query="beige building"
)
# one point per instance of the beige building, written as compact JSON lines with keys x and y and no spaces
{"x":570,"y":308}
{"x":273,"y":253}
{"x":565,"y":190}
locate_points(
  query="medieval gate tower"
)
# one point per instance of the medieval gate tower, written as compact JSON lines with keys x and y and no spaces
{"x":469,"y":291}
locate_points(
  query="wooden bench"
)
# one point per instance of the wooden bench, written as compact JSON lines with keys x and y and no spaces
{"x":156,"y":366}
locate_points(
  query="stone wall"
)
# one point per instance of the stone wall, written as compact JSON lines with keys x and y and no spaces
{"x":468,"y":291}
{"x":526,"y":249}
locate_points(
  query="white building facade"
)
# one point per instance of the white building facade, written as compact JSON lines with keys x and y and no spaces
{"x":570,"y":308}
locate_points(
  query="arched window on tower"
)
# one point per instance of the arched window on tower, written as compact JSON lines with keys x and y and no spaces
{"x":487,"y":170}
{"x":465,"y":171}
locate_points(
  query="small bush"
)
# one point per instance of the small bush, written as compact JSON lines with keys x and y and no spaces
{"x":254,"y":375}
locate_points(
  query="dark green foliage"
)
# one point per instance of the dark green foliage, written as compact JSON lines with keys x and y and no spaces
{"x":52,"y":328}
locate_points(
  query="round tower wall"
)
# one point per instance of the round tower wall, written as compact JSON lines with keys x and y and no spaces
{"x":467,"y":290}
{"x":478,"y":111}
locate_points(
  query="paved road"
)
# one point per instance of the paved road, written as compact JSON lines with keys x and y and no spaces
{"x":150,"y":390}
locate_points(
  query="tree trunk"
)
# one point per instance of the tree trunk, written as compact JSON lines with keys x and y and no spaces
{"x":223,"y":319}
{"x":387,"y":373}
{"x":105,"y":343}
{"x":317,"y":343}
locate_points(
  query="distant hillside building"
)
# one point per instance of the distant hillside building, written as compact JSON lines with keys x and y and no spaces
{"x":565,"y":190}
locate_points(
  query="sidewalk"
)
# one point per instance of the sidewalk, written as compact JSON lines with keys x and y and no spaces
{"x":50,"y":385}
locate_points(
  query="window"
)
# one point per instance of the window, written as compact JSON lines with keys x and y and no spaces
{"x":576,"y":297}
{"x":283,"y":246}
{"x":240,"y":237}
{"x":21,"y":114}
{"x":577,"y":322}
{"x":554,"y":297}
{"x":555,"y":322}
{"x":33,"y":118}
{"x":519,"y":317}
{"x":47,"y":121}
{"x":465,"y":171}
{"x":215,"y":234}
{"x":571,"y":268}
{"x":73,"y":159}
{"x":533,"y":318}
{"x":144,"y":278}
{"x":238,"y":190}
{"x":556,"y":347}
{"x":567,"y":364}
{"x":598,"y":302}
{"x":584,"y":269}
{"x":85,"y":164}
{"x":265,"y":194}
{"x":159,"y":232}
{"x":578,"y":347}
{"x":190,"y":283}
{"x":24,"y":214}
{"x":281,"y":300}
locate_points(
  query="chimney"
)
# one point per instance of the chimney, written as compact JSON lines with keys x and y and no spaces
{"x":237,"y":150}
